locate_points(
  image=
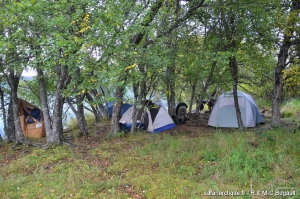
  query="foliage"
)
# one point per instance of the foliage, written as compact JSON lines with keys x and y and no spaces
{"x":290,"y":109}
{"x":292,"y":80}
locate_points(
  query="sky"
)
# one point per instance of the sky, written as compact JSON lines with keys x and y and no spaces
{"x":29,"y":72}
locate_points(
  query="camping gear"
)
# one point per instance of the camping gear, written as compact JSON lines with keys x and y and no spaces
{"x":109,"y":108}
{"x":202,"y":105}
{"x":223,"y":113}
{"x":179,"y":113}
{"x":32,"y":120}
{"x":210,"y":104}
{"x":153,"y":119}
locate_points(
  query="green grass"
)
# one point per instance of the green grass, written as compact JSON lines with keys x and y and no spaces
{"x":158,"y":166}
{"x":290,"y":110}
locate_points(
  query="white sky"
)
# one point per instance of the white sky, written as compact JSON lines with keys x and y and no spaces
{"x":29,"y":72}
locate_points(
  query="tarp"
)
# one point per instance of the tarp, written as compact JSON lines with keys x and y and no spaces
{"x":32,"y":120}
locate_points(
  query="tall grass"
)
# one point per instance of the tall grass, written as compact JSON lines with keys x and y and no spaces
{"x":290,"y":109}
{"x":169,"y":167}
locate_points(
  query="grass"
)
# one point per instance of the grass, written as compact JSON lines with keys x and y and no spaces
{"x":290,"y":109}
{"x":157,"y":166}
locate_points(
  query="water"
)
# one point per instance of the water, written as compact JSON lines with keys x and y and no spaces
{"x":1,"y":129}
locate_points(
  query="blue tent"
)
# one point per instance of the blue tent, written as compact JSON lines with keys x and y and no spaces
{"x":109,"y":108}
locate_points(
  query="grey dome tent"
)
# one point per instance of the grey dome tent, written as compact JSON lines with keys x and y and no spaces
{"x":223,"y":113}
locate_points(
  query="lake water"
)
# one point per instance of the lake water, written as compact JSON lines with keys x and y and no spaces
{"x":1,"y":129}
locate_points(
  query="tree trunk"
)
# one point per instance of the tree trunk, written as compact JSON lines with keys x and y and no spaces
{"x":281,"y":64}
{"x":205,"y":86}
{"x":115,"y":126}
{"x":79,"y":113}
{"x":199,"y":103}
{"x":134,"y":113}
{"x":44,"y":101}
{"x":56,"y":135}
{"x":14,"y":83}
{"x":171,"y":88}
{"x":134,"y":119}
{"x":94,"y":110}
{"x":194,"y":84}
{"x":234,"y":72}
{"x":136,"y":39}
{"x":10,"y":132}
{"x":276,"y":99}
{"x":100,"y":107}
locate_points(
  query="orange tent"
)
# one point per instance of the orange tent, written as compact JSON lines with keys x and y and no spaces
{"x":32,"y":120}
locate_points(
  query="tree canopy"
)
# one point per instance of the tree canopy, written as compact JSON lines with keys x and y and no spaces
{"x":87,"y":53}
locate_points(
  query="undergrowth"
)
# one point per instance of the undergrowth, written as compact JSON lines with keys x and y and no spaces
{"x":251,"y":164}
{"x":158,"y":166}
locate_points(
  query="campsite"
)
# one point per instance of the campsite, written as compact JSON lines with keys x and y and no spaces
{"x":187,"y":161}
{"x":150,"y":99}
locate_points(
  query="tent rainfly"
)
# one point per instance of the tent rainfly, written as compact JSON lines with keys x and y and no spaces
{"x":32,"y":120}
{"x":109,"y":108}
{"x":223,"y":113}
{"x":154,"y":119}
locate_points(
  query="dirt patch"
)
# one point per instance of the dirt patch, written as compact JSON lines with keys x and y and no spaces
{"x":194,"y":127}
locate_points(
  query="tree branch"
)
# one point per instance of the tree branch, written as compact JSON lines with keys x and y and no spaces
{"x":177,"y":22}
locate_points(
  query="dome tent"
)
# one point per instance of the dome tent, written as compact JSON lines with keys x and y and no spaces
{"x":154,"y":119}
{"x":109,"y":108}
{"x":223,"y":113}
